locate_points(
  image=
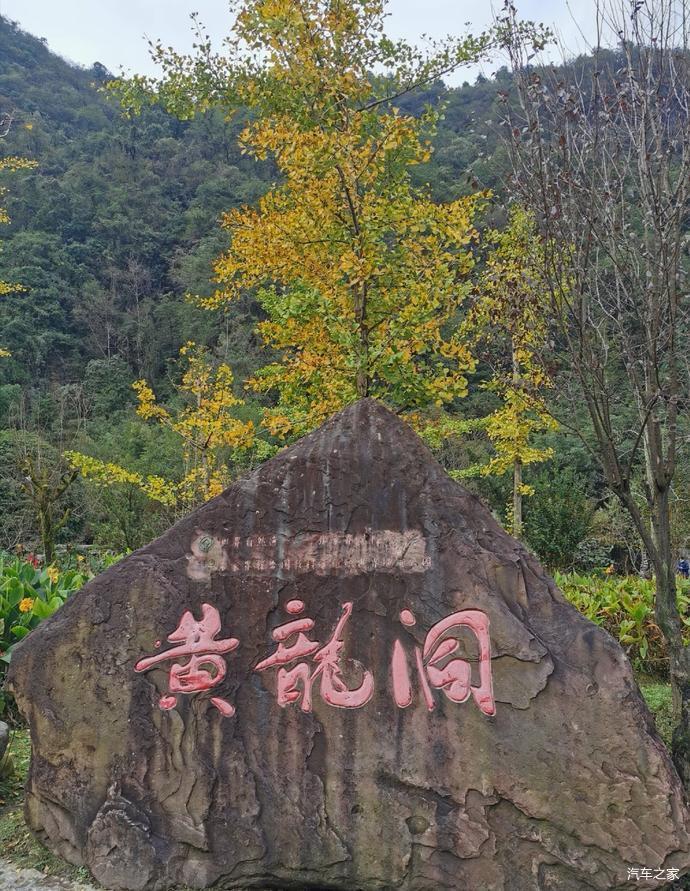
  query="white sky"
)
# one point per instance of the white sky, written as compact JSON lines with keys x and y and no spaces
{"x":114,"y":33}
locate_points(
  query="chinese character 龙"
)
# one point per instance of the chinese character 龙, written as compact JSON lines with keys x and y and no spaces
{"x":296,"y":683}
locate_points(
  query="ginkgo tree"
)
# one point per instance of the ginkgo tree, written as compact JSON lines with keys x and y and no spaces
{"x":510,"y":317}
{"x":206,"y":428}
{"x":360,"y":273}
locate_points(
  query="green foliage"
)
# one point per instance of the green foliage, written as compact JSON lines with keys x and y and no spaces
{"x":108,"y":386}
{"x":30,"y":593}
{"x":659,"y":698}
{"x":624,"y":606}
{"x":87,"y":561}
{"x":20,"y":522}
{"x":101,"y":232}
{"x":558,"y":516}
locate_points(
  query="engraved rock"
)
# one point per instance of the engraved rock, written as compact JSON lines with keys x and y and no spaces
{"x":342,"y":674}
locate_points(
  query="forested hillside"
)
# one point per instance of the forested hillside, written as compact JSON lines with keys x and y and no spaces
{"x":121,"y":216}
{"x":118,"y":221}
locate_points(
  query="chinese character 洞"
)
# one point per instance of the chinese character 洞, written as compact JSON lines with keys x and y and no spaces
{"x":296,"y":683}
{"x":205,"y":667}
{"x":437,"y":669}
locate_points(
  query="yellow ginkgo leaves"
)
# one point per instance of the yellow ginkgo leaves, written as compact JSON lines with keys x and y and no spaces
{"x":205,"y":428}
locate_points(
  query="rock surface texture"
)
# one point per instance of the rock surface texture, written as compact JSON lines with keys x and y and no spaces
{"x":4,"y":738}
{"x":342,"y":674}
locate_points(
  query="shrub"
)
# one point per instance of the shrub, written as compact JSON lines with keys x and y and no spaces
{"x":558,"y":515}
{"x":624,"y":606}
{"x":29,"y":593}
{"x":660,"y":701}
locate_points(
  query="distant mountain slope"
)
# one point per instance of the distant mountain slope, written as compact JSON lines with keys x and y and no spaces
{"x":121,"y":217}
{"x":38,"y":82}
{"x":118,"y":217}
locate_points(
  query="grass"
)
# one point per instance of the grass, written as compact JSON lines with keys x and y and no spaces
{"x":13,"y":769}
{"x":19,"y":845}
{"x":660,"y":702}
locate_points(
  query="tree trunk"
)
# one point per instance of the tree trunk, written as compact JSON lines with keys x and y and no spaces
{"x":517,"y":499}
{"x":362,"y":381}
{"x":669,"y":621}
{"x":517,"y":464}
{"x":680,"y":681}
{"x":47,"y":535}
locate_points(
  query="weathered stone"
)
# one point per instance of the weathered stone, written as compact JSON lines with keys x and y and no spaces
{"x":564,"y":784}
{"x":14,"y":878}
{"x":4,"y":739}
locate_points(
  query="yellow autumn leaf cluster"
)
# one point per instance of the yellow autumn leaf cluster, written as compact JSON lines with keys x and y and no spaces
{"x":205,"y":428}
{"x":106,"y":474}
{"x":359,"y":271}
{"x":510,"y":313}
{"x":511,"y":429}
{"x":206,"y":423}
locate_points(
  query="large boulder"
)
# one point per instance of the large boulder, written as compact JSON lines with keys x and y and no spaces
{"x":343,"y":674}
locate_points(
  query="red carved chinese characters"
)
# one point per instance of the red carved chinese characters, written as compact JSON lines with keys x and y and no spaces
{"x":198,"y":663}
{"x":297,"y":682}
{"x":436,"y":670}
{"x":205,"y":668}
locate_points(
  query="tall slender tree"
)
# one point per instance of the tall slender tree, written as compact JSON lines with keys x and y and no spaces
{"x":509,"y":318}
{"x":600,"y":149}
{"x":360,"y":273}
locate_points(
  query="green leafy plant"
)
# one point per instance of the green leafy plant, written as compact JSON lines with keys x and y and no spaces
{"x":87,"y":561}
{"x":30,"y":593}
{"x":659,"y":698}
{"x":624,"y":606}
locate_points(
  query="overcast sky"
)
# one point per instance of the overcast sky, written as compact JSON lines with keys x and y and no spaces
{"x":114,"y":33}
